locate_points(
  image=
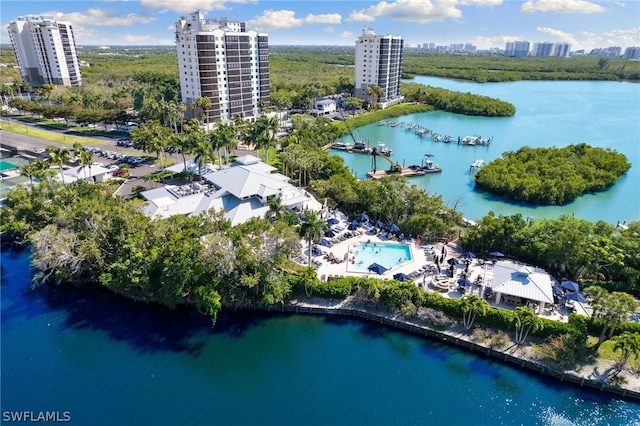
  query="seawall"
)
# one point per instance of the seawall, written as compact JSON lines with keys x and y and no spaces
{"x":453,"y":339}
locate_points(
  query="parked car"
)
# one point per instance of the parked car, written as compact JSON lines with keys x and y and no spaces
{"x":120,"y":172}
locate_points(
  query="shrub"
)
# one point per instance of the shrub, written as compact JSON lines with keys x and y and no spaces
{"x":500,"y":340}
{"x":435,"y":317}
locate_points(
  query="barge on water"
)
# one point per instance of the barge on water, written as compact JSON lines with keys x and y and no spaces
{"x":411,"y":171}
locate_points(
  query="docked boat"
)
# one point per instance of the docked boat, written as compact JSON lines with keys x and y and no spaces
{"x":384,"y":150}
{"x":427,"y":166}
{"x":361,"y":147}
{"x":341,"y":146}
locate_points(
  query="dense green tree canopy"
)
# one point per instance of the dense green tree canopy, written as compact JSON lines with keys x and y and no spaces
{"x":552,"y":175}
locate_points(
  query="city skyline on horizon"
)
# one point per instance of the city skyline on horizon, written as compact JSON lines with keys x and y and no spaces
{"x":583,"y":24}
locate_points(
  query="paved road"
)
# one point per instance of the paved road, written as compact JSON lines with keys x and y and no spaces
{"x":29,"y":145}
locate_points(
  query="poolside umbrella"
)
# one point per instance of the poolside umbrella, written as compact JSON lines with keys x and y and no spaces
{"x":452,"y":261}
{"x":354,"y":225}
{"x":569,"y":285}
{"x":464,"y":282}
{"x":393,"y":228}
{"x":576,"y":297}
{"x":469,"y":255}
{"x":377,"y":224}
{"x":330,"y":233}
{"x":333,"y":221}
{"x":362,"y":217}
{"x":496,"y":254}
{"x":401,"y":277}
{"x":378,"y":269}
{"x":557,"y":290}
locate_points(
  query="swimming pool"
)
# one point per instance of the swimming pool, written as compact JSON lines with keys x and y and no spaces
{"x":389,"y":255}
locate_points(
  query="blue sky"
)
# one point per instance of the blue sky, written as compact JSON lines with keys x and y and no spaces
{"x":485,"y":23}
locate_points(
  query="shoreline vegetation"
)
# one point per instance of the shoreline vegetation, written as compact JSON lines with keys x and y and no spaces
{"x":552,"y":176}
{"x":81,"y":234}
{"x":485,"y":340}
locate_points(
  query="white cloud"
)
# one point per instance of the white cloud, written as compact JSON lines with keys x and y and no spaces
{"x":495,"y":41}
{"x":360,"y":16}
{"x":275,"y":20}
{"x":346,"y":34}
{"x":136,"y":39}
{"x":188,"y":6}
{"x":329,"y":29}
{"x":328,"y":18}
{"x":628,"y":37}
{"x":480,"y":3}
{"x":281,"y":19}
{"x":559,"y":35}
{"x":420,"y":11}
{"x":561,"y":6}
{"x":99,"y":18}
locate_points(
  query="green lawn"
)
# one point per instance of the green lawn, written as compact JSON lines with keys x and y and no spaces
{"x":606,"y":352}
{"x":47,"y":134}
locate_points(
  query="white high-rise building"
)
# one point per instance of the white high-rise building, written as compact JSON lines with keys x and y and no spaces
{"x":45,"y":50}
{"x":543,"y":49}
{"x":517,"y":48}
{"x":563,"y":49}
{"x":378,"y":62}
{"x":221,"y":60}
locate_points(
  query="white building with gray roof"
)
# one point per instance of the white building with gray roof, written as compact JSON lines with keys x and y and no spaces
{"x":241,"y":189}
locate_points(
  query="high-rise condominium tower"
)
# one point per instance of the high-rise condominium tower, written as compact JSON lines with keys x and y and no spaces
{"x":45,"y":50}
{"x":378,"y":62}
{"x":220,"y":60}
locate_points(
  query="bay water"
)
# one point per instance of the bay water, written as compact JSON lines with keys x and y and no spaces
{"x":548,"y":113}
{"x":104,"y":360}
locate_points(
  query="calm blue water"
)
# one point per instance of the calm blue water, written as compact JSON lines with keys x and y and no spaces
{"x":387,"y":255}
{"x":109,"y":361}
{"x":603,"y":114}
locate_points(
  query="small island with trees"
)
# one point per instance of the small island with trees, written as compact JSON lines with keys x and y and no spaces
{"x":552,"y":175}
{"x":80,"y":233}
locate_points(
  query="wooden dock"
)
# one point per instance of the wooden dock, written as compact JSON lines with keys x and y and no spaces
{"x":476,"y":165}
{"x":379,"y":174}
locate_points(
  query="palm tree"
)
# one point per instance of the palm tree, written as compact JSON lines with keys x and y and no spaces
{"x":312,"y":229}
{"x":472,"y":305}
{"x":58,"y":156}
{"x":203,"y":154}
{"x":29,"y":171}
{"x":86,"y":160}
{"x":270,"y":132}
{"x":629,"y":344}
{"x":154,"y":136}
{"x":596,"y":295}
{"x":41,"y":169}
{"x":202,"y":103}
{"x":276,"y":209}
{"x":525,"y":321}
{"x":216,"y":145}
{"x":227,"y":138}
{"x":376,"y":93}
{"x":181,"y":141}
{"x":615,"y":308}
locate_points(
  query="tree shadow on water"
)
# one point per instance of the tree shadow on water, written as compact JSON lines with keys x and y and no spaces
{"x":145,"y":327}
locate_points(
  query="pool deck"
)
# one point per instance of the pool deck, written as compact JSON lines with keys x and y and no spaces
{"x":343,"y":250}
{"x":421,"y":268}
